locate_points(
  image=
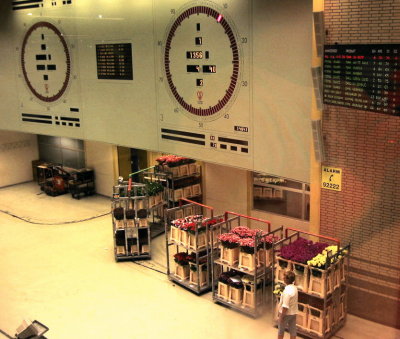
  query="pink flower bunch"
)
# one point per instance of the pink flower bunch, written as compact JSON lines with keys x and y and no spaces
{"x":229,"y":240}
{"x":243,"y":232}
{"x":249,"y":242}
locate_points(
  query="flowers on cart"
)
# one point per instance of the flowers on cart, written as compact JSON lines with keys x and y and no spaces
{"x":210,"y":222}
{"x":181,"y":258}
{"x":229,"y":240}
{"x":173,"y":160}
{"x":268,"y":240}
{"x":243,"y":231}
{"x":202,"y":261}
{"x":302,"y":250}
{"x":247,"y":245}
{"x":278,"y":289}
{"x":321,"y":260}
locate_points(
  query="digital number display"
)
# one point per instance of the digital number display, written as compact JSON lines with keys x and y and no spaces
{"x":198,"y":41}
{"x":194,"y":55}
{"x":199,"y":82}
{"x":193,"y":68}
{"x":363,"y":77}
{"x":209,"y":69}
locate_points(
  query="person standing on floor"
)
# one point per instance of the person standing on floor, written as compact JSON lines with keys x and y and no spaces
{"x":288,"y":307}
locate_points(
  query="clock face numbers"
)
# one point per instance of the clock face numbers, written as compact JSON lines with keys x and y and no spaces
{"x":45,"y":62}
{"x":201,"y":62}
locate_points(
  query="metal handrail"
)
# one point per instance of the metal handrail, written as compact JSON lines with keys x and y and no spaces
{"x":248,"y":217}
{"x":197,"y":203}
{"x":312,"y":234}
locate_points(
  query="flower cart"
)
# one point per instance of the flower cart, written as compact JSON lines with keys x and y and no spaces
{"x":243,"y":264}
{"x":321,"y":270}
{"x":183,"y":178}
{"x":188,"y":236}
{"x":129,"y":212}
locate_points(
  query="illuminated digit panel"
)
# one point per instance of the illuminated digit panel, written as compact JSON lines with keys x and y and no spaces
{"x":203,"y":84}
{"x":45,"y":62}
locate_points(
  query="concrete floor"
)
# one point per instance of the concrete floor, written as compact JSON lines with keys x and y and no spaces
{"x":65,"y":276}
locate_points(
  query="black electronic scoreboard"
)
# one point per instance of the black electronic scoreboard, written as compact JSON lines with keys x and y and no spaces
{"x":365,"y":77}
{"x":114,"y":61}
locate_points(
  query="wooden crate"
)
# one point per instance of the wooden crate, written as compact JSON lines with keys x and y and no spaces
{"x":281,"y":267}
{"x":257,"y":192}
{"x":328,"y":319}
{"x":192,"y":169}
{"x":144,"y":248}
{"x":315,"y":321}
{"x":183,"y":237}
{"x":302,"y":316}
{"x":196,"y":190}
{"x":267,"y":192}
{"x":319,"y":282}
{"x":214,"y":233}
{"x":134,"y":250}
{"x":143,"y":222}
{"x":265,"y":257}
{"x":251,"y":296}
{"x":302,"y":276}
{"x":178,"y":194}
{"x":248,"y":261}
{"x":120,"y":250}
{"x":183,"y":170}
{"x":223,"y":290}
{"x":199,"y":279}
{"x":182,"y":272}
{"x":187,"y":191}
{"x":152,"y":201}
{"x":119,"y":224}
{"x":235,"y":295}
{"x":199,"y":244}
{"x":174,"y":234}
{"x":230,"y":256}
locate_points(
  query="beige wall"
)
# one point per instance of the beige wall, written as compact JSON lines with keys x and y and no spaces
{"x":101,"y":157}
{"x":17,"y":150}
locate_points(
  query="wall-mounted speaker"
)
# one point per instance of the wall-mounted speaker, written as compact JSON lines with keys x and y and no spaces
{"x":318,"y":141}
{"x":317,"y":83}
{"x":319,"y":31}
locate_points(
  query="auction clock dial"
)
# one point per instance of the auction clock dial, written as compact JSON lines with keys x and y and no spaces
{"x":45,"y":62}
{"x":202,"y":62}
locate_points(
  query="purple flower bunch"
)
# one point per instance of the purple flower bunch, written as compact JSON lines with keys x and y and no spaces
{"x":302,"y":250}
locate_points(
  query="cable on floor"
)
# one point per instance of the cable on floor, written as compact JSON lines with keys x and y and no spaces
{"x":150,"y":268}
{"x":53,"y":223}
{"x":6,"y":335}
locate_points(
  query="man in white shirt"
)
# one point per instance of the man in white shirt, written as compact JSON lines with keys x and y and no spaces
{"x":288,"y":307}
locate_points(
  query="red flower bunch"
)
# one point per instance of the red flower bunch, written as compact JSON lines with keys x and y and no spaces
{"x":178,"y":222}
{"x":181,"y":258}
{"x":161,"y":159}
{"x":229,"y":240}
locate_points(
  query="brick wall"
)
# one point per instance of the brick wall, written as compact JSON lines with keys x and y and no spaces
{"x":366,"y":145}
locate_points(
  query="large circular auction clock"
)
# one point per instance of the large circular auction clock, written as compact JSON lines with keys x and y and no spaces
{"x":202,"y":62}
{"x":45,"y":62}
